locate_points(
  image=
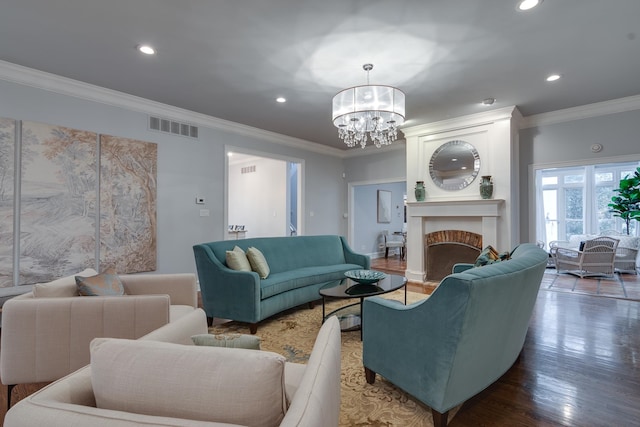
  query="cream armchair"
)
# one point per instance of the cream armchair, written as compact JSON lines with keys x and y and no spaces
{"x":46,"y":332}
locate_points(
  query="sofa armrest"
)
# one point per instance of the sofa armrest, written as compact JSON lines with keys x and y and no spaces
{"x":181,"y":330}
{"x":461,"y":266}
{"x":227,"y":293}
{"x":181,"y":288}
{"x":316,"y":402}
{"x":354,"y":258}
{"x":44,"y":339}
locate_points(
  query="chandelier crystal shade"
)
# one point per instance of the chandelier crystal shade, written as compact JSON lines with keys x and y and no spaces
{"x":368,"y":112}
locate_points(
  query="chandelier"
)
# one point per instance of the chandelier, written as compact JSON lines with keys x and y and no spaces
{"x":368,"y":112}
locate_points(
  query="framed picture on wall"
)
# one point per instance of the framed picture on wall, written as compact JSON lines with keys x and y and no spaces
{"x":384,"y":206}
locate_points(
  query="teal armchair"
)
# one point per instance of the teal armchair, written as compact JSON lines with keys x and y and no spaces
{"x":449,"y":347}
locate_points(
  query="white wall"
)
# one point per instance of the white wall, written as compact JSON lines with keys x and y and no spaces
{"x":258,"y":200}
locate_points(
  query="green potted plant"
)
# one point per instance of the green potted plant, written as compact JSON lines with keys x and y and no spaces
{"x":626,"y":204}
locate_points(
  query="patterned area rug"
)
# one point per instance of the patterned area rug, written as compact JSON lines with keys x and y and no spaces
{"x":292,"y":334}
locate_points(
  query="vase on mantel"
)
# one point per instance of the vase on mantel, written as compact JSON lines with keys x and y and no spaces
{"x":420,"y":191}
{"x":486,"y":187}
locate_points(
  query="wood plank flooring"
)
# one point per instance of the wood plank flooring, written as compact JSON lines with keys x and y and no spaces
{"x":580,"y":365}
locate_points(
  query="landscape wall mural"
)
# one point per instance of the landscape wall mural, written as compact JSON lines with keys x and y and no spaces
{"x":7,"y":144}
{"x":65,"y":205}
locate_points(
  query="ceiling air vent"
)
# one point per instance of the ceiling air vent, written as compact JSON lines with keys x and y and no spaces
{"x":173,"y":127}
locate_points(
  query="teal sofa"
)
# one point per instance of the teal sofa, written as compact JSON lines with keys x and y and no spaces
{"x":299,"y":267}
{"x":462,"y":338}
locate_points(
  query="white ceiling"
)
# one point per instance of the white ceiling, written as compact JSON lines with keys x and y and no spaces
{"x":231,"y":59}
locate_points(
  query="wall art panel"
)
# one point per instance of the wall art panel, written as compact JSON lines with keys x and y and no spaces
{"x":128,"y":172}
{"x":7,"y":155}
{"x":57,"y":201}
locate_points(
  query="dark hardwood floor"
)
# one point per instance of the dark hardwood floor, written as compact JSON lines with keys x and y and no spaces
{"x":580,"y":365}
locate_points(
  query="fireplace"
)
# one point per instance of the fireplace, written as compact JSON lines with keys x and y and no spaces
{"x":483,"y":217}
{"x":445,"y":248}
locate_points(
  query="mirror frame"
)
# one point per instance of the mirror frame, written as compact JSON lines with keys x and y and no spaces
{"x":463,"y":181}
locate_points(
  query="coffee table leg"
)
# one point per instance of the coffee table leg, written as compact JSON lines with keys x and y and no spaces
{"x":361,"y":322}
{"x":323,"y":298}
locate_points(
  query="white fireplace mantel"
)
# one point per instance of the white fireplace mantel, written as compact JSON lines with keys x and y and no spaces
{"x":465,"y":215}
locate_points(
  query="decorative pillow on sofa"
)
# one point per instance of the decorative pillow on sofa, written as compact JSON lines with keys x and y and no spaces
{"x":63,"y":287}
{"x":106,"y":283}
{"x":489,"y":256}
{"x":225,"y":385}
{"x":237,"y":260}
{"x":250,"y":342}
{"x":258,"y":262}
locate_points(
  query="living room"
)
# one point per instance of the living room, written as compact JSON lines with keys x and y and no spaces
{"x":196,"y":168}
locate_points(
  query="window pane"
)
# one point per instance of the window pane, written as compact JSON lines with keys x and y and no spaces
{"x":573,"y":203}
{"x":604,"y":177}
{"x":605,"y":218}
{"x":550,"y":205}
{"x":549,"y":180}
{"x":573,"y":179}
{"x":574,"y":227}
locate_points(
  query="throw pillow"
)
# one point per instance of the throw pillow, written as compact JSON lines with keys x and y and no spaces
{"x":258,"y":262}
{"x":63,"y":287}
{"x":237,"y":260}
{"x":106,"y":283}
{"x":489,"y":256}
{"x":250,"y":342}
{"x":224,"y":385}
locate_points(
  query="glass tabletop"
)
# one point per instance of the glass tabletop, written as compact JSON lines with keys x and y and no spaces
{"x":348,"y":288}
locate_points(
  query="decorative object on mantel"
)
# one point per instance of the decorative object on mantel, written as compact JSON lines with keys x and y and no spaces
{"x":486,"y":187}
{"x":368,"y":112}
{"x":420,"y":191}
{"x":454,"y":165}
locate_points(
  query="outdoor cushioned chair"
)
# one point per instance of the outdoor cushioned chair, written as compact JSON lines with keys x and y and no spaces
{"x":595,"y":258}
{"x":449,"y":347}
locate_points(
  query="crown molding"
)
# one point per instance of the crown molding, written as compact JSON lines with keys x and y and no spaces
{"x":77,"y":89}
{"x":604,"y":108}
{"x":471,"y":120}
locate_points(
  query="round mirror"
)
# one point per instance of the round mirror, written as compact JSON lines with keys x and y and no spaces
{"x":454,"y":165}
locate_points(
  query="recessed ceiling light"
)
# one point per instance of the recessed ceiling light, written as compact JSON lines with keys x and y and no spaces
{"x":528,"y":4}
{"x":488,"y":101}
{"x":553,"y":77}
{"x":280,"y":99}
{"x":146,"y":49}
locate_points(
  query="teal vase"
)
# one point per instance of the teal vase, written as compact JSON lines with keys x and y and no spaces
{"x":420,"y":191}
{"x":486,"y":187}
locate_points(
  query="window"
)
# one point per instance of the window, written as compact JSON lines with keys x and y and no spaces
{"x":573,"y":200}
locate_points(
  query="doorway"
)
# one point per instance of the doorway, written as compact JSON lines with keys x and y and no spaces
{"x":264,"y":195}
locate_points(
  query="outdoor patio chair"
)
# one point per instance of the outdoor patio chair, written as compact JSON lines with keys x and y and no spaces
{"x":595,"y":258}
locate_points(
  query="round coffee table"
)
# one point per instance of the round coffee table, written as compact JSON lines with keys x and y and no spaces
{"x":350,"y":316}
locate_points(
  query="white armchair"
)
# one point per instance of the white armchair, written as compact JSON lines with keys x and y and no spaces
{"x":595,"y":258}
{"x":394,"y":241}
{"x":46,"y":332}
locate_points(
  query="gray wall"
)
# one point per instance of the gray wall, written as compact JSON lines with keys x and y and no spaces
{"x":186,"y":169}
{"x":570,"y":142}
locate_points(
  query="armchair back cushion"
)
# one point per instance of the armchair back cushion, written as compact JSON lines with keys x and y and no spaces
{"x":235,"y":386}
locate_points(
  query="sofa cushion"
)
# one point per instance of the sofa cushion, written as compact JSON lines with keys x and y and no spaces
{"x":106,"y":283}
{"x":63,"y":287}
{"x":258,"y":262}
{"x":282,"y":282}
{"x":237,"y":260}
{"x":250,"y":342}
{"x":212,"y":384}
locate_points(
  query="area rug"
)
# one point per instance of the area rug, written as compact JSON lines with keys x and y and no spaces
{"x":293,"y":333}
